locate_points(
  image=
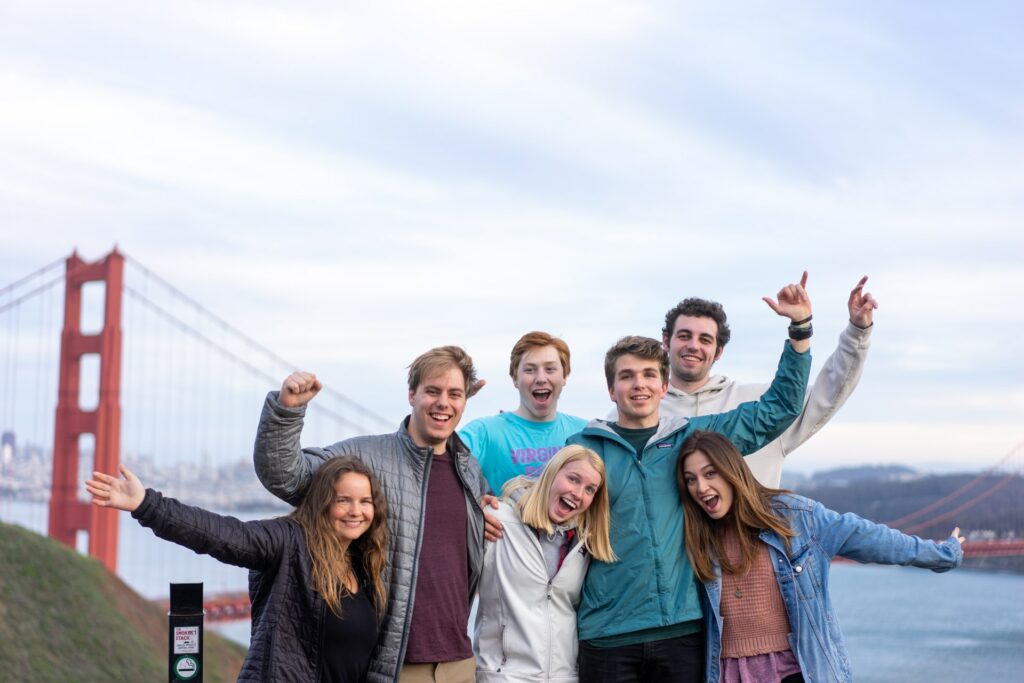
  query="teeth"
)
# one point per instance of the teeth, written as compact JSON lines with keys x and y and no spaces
{"x":568,"y":503}
{"x":442,"y":418}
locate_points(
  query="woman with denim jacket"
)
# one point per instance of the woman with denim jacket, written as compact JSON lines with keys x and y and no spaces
{"x":763,"y":556}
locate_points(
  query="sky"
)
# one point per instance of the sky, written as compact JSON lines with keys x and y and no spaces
{"x":351,"y":184}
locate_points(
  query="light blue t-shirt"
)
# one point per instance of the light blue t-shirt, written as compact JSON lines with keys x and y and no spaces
{"x":507,"y":445}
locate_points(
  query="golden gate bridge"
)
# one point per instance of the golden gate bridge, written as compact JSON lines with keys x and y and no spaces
{"x":105,"y":361}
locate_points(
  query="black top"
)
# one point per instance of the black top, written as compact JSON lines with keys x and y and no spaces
{"x":348,"y":641}
{"x":637,"y":438}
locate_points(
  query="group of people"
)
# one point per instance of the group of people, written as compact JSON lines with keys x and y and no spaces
{"x":654,"y":545}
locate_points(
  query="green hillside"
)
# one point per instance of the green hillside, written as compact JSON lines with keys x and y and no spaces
{"x":63,"y":618}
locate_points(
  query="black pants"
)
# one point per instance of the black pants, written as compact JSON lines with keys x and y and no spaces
{"x":672,"y":660}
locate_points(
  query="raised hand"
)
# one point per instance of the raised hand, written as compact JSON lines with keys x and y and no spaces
{"x":298,"y":389}
{"x":956,"y":534}
{"x":121,"y":494}
{"x":793,"y":302}
{"x":861,"y":305}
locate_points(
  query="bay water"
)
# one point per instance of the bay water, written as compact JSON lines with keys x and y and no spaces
{"x":901,"y":624}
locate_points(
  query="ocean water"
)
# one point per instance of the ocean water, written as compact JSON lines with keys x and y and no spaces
{"x":905,"y":624}
{"x":901,"y":624}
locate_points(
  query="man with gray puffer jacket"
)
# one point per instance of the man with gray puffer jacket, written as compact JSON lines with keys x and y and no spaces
{"x":433,"y":487}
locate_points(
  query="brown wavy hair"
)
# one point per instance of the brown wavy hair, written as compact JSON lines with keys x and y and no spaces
{"x":751,"y":510}
{"x":330,"y":558}
{"x":644,"y":348}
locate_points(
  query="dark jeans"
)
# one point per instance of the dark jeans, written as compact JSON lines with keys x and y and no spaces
{"x":673,"y":660}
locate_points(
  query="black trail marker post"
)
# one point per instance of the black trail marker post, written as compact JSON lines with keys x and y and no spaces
{"x":185,"y":647}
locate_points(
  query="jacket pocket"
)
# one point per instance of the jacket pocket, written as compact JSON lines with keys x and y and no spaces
{"x":805,"y":575}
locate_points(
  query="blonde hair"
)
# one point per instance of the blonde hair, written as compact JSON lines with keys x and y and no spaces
{"x":592,"y":524}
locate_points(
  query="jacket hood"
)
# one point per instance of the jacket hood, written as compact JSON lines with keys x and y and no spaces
{"x":714,"y":383}
{"x":667,"y":425}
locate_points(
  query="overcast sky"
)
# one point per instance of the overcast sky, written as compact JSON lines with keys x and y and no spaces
{"x":353,"y":185}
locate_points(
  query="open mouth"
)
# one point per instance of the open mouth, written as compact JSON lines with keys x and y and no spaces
{"x":640,"y":397}
{"x":541,"y":395}
{"x":711,"y":503}
{"x":440,"y":417}
{"x":566,"y":507}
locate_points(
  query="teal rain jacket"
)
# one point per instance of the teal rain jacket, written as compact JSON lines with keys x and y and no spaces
{"x":652,"y":584}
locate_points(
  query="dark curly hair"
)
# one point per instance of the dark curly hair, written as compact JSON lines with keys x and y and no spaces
{"x":698,"y":308}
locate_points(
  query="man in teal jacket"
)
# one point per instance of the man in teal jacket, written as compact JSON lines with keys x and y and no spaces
{"x":640,"y":617}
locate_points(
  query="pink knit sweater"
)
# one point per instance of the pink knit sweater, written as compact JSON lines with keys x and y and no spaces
{"x":754,"y":617}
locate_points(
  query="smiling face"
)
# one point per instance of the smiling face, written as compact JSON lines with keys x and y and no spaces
{"x":540,"y":379}
{"x":572,"y":491}
{"x":352,"y":510}
{"x":706,"y":486}
{"x":637,"y":389}
{"x":437,"y":405}
{"x":692,"y":350}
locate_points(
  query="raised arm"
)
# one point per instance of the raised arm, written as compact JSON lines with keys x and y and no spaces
{"x":752,"y":425}
{"x":282,"y":465}
{"x":253,"y":545}
{"x":839,"y":374}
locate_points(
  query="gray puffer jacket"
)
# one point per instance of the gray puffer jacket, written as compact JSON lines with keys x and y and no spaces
{"x":402,"y":467}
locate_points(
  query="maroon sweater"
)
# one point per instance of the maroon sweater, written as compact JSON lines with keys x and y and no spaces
{"x":440,"y":613}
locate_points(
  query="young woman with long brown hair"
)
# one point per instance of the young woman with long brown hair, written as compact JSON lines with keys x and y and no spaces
{"x":317,"y":589}
{"x":763,"y":556}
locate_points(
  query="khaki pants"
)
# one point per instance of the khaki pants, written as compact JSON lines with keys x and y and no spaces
{"x":461,"y":671}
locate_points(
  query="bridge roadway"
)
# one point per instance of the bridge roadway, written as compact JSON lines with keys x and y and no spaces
{"x":233,"y":606}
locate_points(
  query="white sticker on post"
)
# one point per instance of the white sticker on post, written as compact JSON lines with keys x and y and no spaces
{"x":186,"y":640}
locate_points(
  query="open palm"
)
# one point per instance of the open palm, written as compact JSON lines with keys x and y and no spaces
{"x":111,"y":492}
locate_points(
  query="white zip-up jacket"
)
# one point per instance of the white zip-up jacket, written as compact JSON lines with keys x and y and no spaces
{"x":526,"y":624}
{"x":833,"y":385}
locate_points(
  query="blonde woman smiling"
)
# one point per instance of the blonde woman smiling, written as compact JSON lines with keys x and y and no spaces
{"x":532,"y":577}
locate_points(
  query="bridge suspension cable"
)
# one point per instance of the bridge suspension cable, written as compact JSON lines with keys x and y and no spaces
{"x":381,"y":422}
{"x":983,"y":476}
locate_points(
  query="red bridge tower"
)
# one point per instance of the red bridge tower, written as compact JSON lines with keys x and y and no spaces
{"x":68,"y":515}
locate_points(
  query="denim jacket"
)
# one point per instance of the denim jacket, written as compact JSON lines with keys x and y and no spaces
{"x":802,"y":575}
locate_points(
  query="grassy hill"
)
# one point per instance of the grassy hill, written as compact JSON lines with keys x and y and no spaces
{"x":63,"y":618}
